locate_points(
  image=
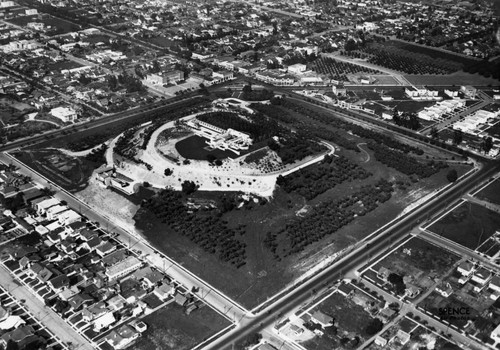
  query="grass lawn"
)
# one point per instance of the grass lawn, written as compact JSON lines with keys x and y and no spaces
{"x":349,"y":316}
{"x":469,"y":224}
{"x":419,"y":260}
{"x":458,"y":78}
{"x":59,"y":66}
{"x":69,"y":172}
{"x":490,"y":193}
{"x":171,"y":329}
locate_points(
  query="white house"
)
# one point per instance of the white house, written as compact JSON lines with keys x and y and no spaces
{"x":297,"y":68}
{"x":66,"y":114}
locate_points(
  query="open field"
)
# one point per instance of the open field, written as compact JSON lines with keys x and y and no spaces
{"x":59,"y":66}
{"x":71,"y":173}
{"x":468,"y":224}
{"x":458,"y":78}
{"x":171,"y":329}
{"x":490,"y":193}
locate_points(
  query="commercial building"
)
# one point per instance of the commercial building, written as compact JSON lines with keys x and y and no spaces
{"x":130,"y":264}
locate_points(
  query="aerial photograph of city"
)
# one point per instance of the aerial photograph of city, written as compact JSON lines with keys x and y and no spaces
{"x":249,"y":174}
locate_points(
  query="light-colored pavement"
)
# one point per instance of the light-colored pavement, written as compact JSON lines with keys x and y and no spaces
{"x":44,"y":314}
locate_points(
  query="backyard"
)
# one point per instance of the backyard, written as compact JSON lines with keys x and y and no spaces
{"x":468,"y":224}
{"x":170,"y":328}
{"x":490,"y":193}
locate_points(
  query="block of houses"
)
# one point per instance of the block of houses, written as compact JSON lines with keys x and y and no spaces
{"x":129,"y":265}
{"x":17,"y":335}
{"x":69,"y":216}
{"x":495,"y":334}
{"x":53,"y":211}
{"x":411,"y":291}
{"x":122,"y":337}
{"x":380,"y":341}
{"x":383,"y":273}
{"x":296,"y":329}
{"x":321,"y":318}
{"x":42,"y":206}
{"x":152,"y":279}
{"x":386,"y":314}
{"x":180,"y":299}
{"x":482,"y":276}
{"x":116,"y":303}
{"x":403,"y":336}
{"x":105,"y":248}
{"x":495,"y":284}
{"x":444,"y":289}
{"x":95,"y":311}
{"x":66,"y":114}
{"x":104,"y":321}
{"x":80,"y":300}
{"x":163,"y":291}
{"x":58,"y":283}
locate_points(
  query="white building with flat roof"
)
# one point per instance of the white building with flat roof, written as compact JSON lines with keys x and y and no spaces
{"x":42,"y":207}
{"x":124,"y":267}
{"x":66,"y":114}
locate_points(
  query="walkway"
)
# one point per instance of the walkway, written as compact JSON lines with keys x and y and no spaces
{"x":364,"y":151}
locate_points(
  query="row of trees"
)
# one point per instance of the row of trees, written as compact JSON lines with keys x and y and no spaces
{"x":354,"y":128}
{"x":327,"y":218}
{"x":404,"y":163}
{"x":315,"y":179}
{"x":209,"y":231}
{"x":406,"y":119}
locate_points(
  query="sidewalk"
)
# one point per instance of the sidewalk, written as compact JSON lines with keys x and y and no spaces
{"x":50,"y":319}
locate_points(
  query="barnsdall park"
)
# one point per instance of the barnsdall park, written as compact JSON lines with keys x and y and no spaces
{"x":249,"y":196}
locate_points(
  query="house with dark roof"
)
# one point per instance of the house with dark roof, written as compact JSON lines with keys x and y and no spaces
{"x":17,"y":335}
{"x":80,"y":300}
{"x":58,"y":283}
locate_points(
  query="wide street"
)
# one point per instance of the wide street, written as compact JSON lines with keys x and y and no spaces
{"x":44,"y":314}
{"x":335,"y":272}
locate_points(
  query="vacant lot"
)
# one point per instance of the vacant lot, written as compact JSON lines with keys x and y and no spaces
{"x":418,"y":261}
{"x":469,"y":224}
{"x":490,"y":193}
{"x":171,"y":329}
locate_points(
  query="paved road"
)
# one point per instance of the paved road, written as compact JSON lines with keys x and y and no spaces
{"x":96,"y":123}
{"x":457,"y":248}
{"x":212,"y":296}
{"x":335,"y":272}
{"x":44,"y":314}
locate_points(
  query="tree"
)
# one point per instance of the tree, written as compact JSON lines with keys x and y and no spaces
{"x":168,"y":172}
{"x":457,"y":136}
{"x":434,"y":133}
{"x":189,"y":187}
{"x":374,"y":327}
{"x":452,"y":175}
{"x":247,"y":89}
{"x":146,"y":184}
{"x":487,"y":144}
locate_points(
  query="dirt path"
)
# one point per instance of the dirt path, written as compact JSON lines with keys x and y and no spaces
{"x":364,"y":151}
